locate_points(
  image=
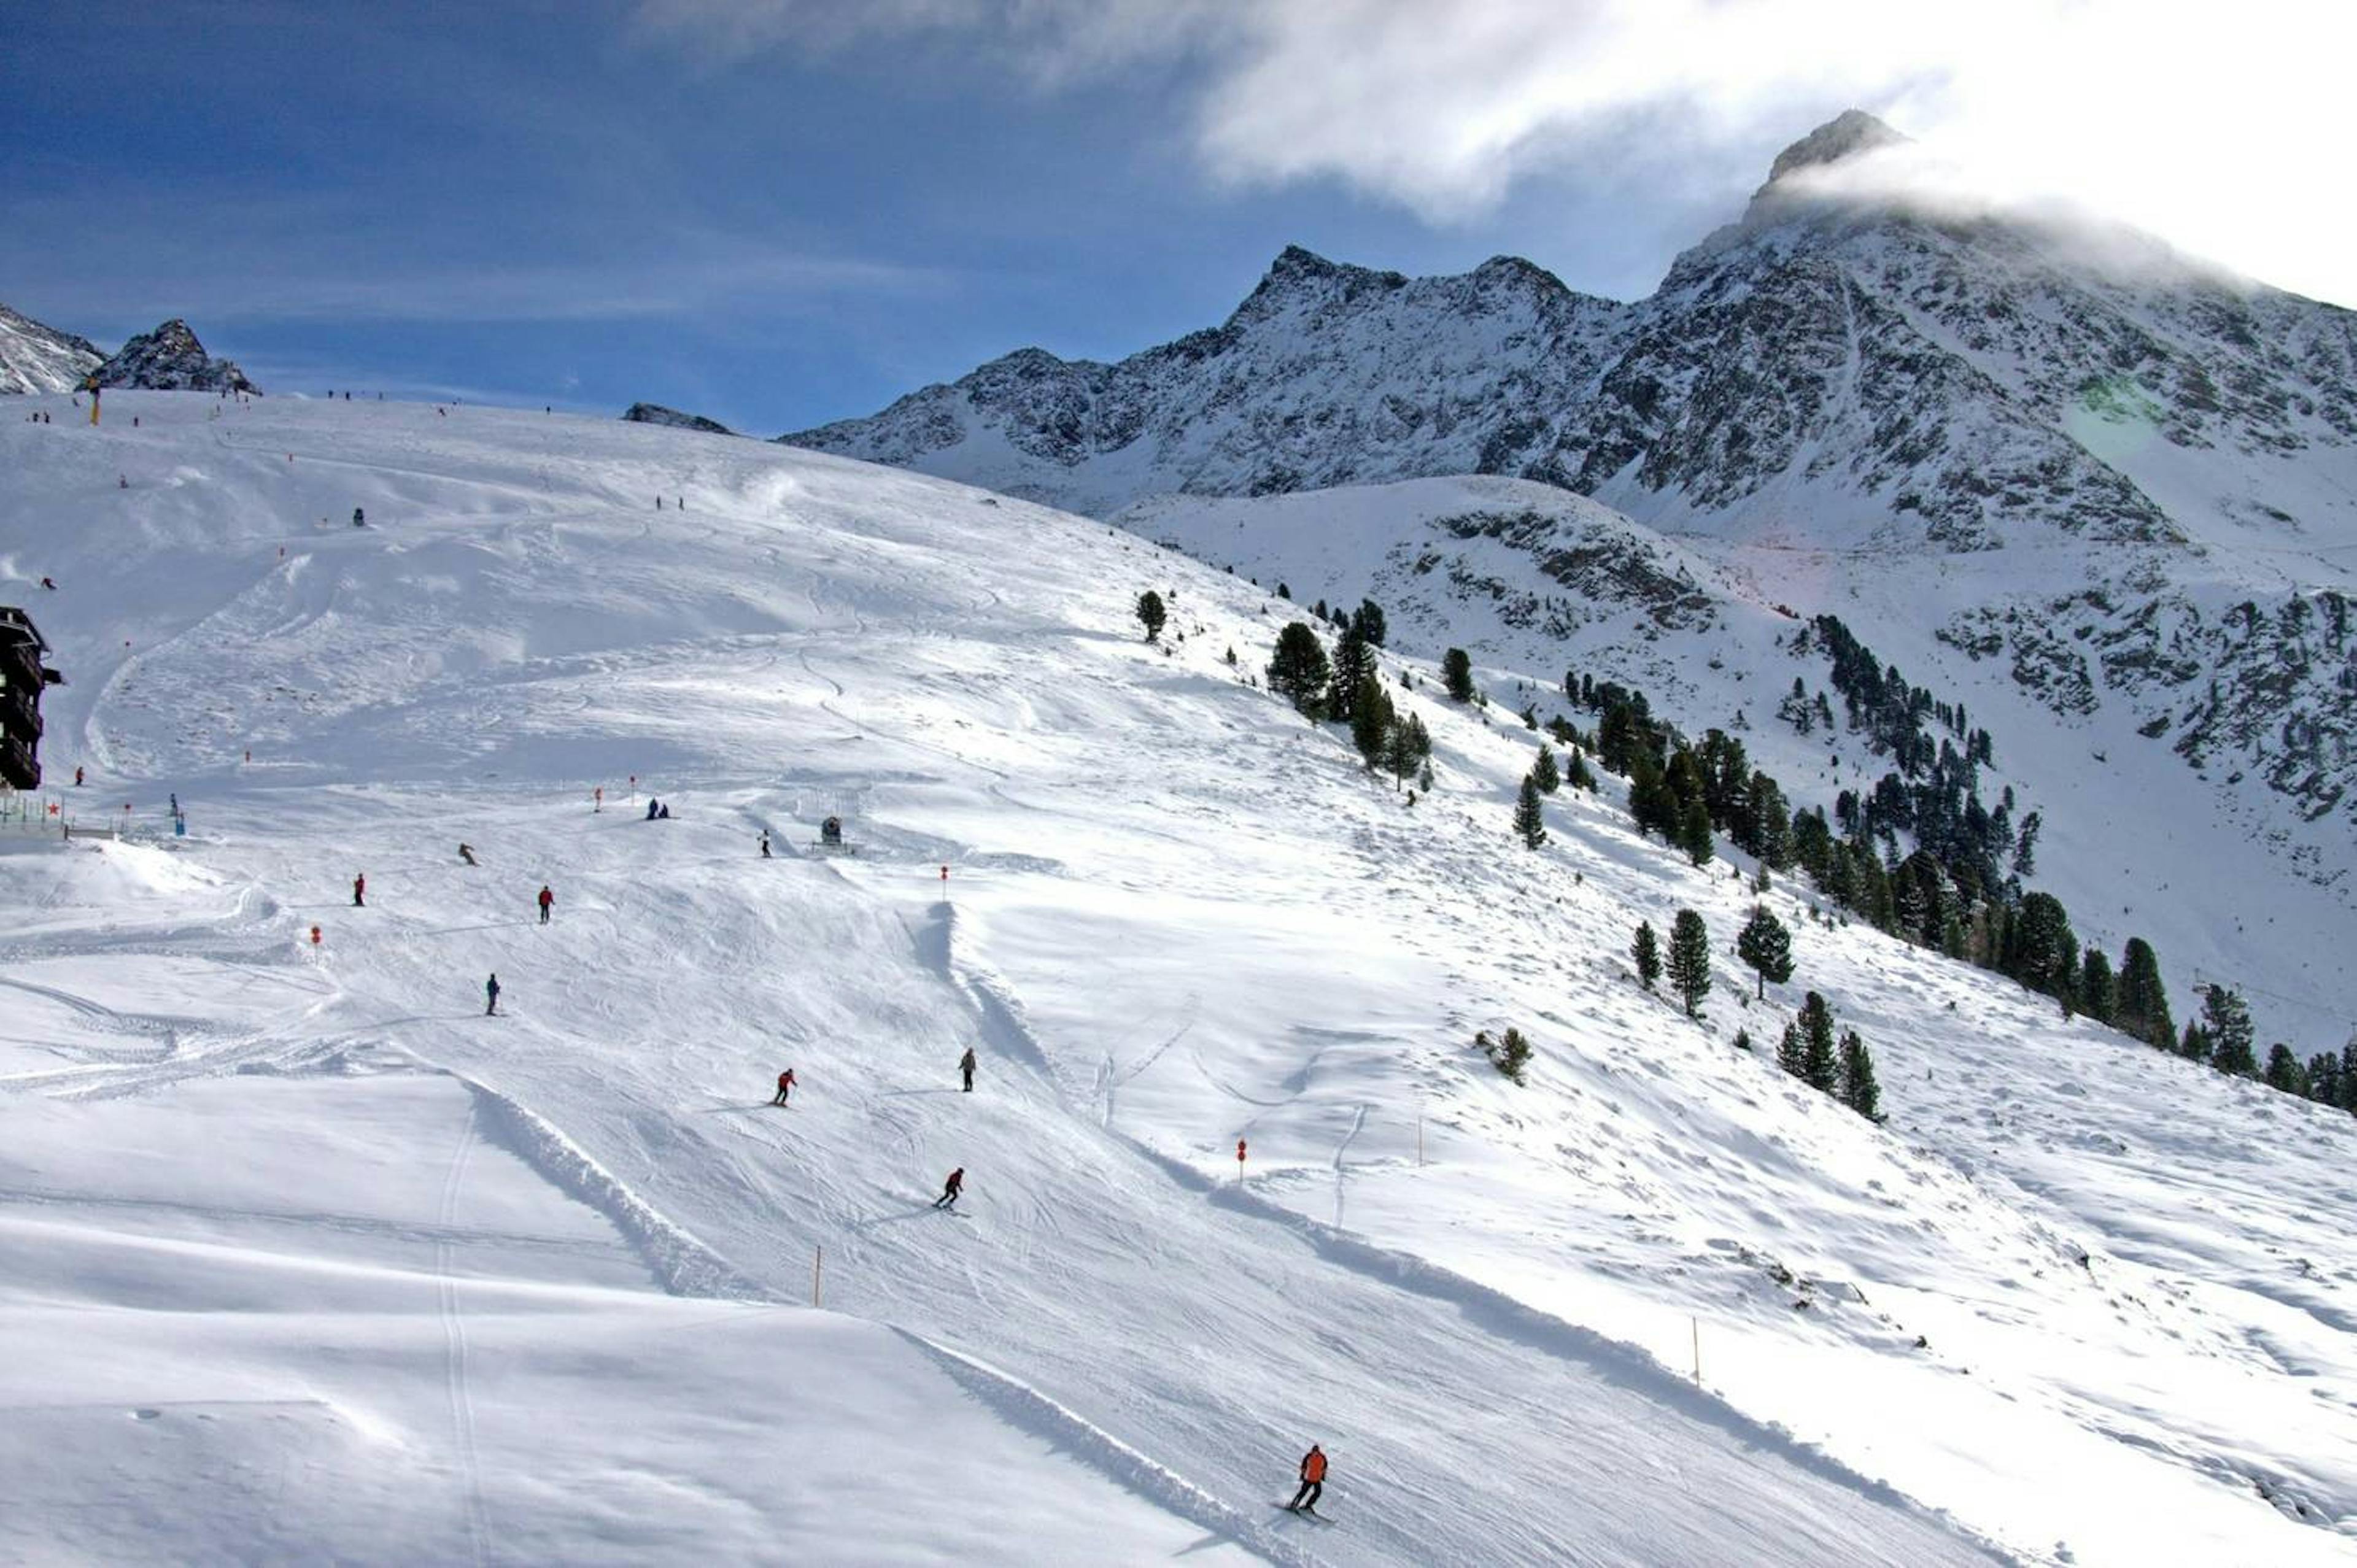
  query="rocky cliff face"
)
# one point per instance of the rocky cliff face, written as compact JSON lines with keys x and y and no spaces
{"x":171,"y":359}
{"x":1326,"y":375}
{"x":38,"y":358}
{"x":656,"y":414}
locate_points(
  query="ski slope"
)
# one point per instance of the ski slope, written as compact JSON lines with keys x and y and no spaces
{"x":543,"y":1278}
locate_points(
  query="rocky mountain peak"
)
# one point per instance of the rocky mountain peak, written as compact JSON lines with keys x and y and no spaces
{"x":1297,"y":262}
{"x":1846,"y":135}
{"x":1298,"y":273}
{"x":672,"y":418}
{"x":1851,"y":133}
{"x":170,"y":359}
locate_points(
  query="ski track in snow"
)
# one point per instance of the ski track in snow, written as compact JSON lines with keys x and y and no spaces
{"x":454,"y":1328}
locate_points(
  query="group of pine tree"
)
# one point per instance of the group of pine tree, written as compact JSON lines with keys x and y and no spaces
{"x":1346,"y":687}
{"x":1956,"y":887}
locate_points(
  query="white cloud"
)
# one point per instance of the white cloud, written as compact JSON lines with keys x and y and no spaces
{"x":2220,"y":128}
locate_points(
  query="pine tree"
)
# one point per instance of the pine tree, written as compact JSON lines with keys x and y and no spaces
{"x":1742,"y":1039}
{"x":1693,"y":831}
{"x":1690,"y":960}
{"x":1457,"y":674}
{"x":1549,"y":777}
{"x":2284,"y":1070}
{"x":1354,"y":670}
{"x":1766,"y":946}
{"x":2194,"y":1044}
{"x":1530,"y":820}
{"x":1647,"y":952}
{"x":1858,"y":1089}
{"x":1578,"y":777}
{"x":2227,"y":1019}
{"x":2323,"y":1079}
{"x":1769,"y":824}
{"x":2041,"y":953}
{"x":1819,"y":1065}
{"x":2142,"y":1009}
{"x":1791,"y":1053}
{"x":1367,"y":620}
{"x":2098,"y":990}
{"x":1150,"y":612}
{"x":1401,"y":757}
{"x":1370,"y":720}
{"x":1299,"y":672}
{"x":1510,"y":1055}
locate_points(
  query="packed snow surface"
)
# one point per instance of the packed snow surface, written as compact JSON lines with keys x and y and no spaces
{"x":306,"y":1258}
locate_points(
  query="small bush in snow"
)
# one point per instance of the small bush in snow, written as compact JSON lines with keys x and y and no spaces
{"x":1510,"y":1053}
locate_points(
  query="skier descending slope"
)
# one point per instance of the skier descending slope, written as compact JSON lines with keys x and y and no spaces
{"x":492,"y":997}
{"x":950,"y":1189}
{"x":1313,"y":1481}
{"x":547,"y":899}
{"x":785,"y":1087}
{"x":360,"y":891}
{"x":965,"y":1066}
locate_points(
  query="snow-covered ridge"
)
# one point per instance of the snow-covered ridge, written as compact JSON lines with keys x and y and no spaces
{"x":38,"y":358}
{"x":1862,"y":373}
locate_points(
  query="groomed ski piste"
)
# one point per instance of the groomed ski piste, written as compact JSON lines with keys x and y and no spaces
{"x":308,"y":1259}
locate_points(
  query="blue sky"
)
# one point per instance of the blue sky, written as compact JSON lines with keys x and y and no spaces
{"x":779,"y":211}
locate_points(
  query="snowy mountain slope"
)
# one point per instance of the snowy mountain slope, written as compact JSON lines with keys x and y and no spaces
{"x":2147,"y":471}
{"x":1175,"y":916}
{"x":1534,"y":582}
{"x":38,"y":358}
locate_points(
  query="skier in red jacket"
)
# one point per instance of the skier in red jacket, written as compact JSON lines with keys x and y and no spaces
{"x":950,"y":1189}
{"x":1313,"y":1480}
{"x":546,"y":899}
{"x":360,"y":891}
{"x":785,"y":1087}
